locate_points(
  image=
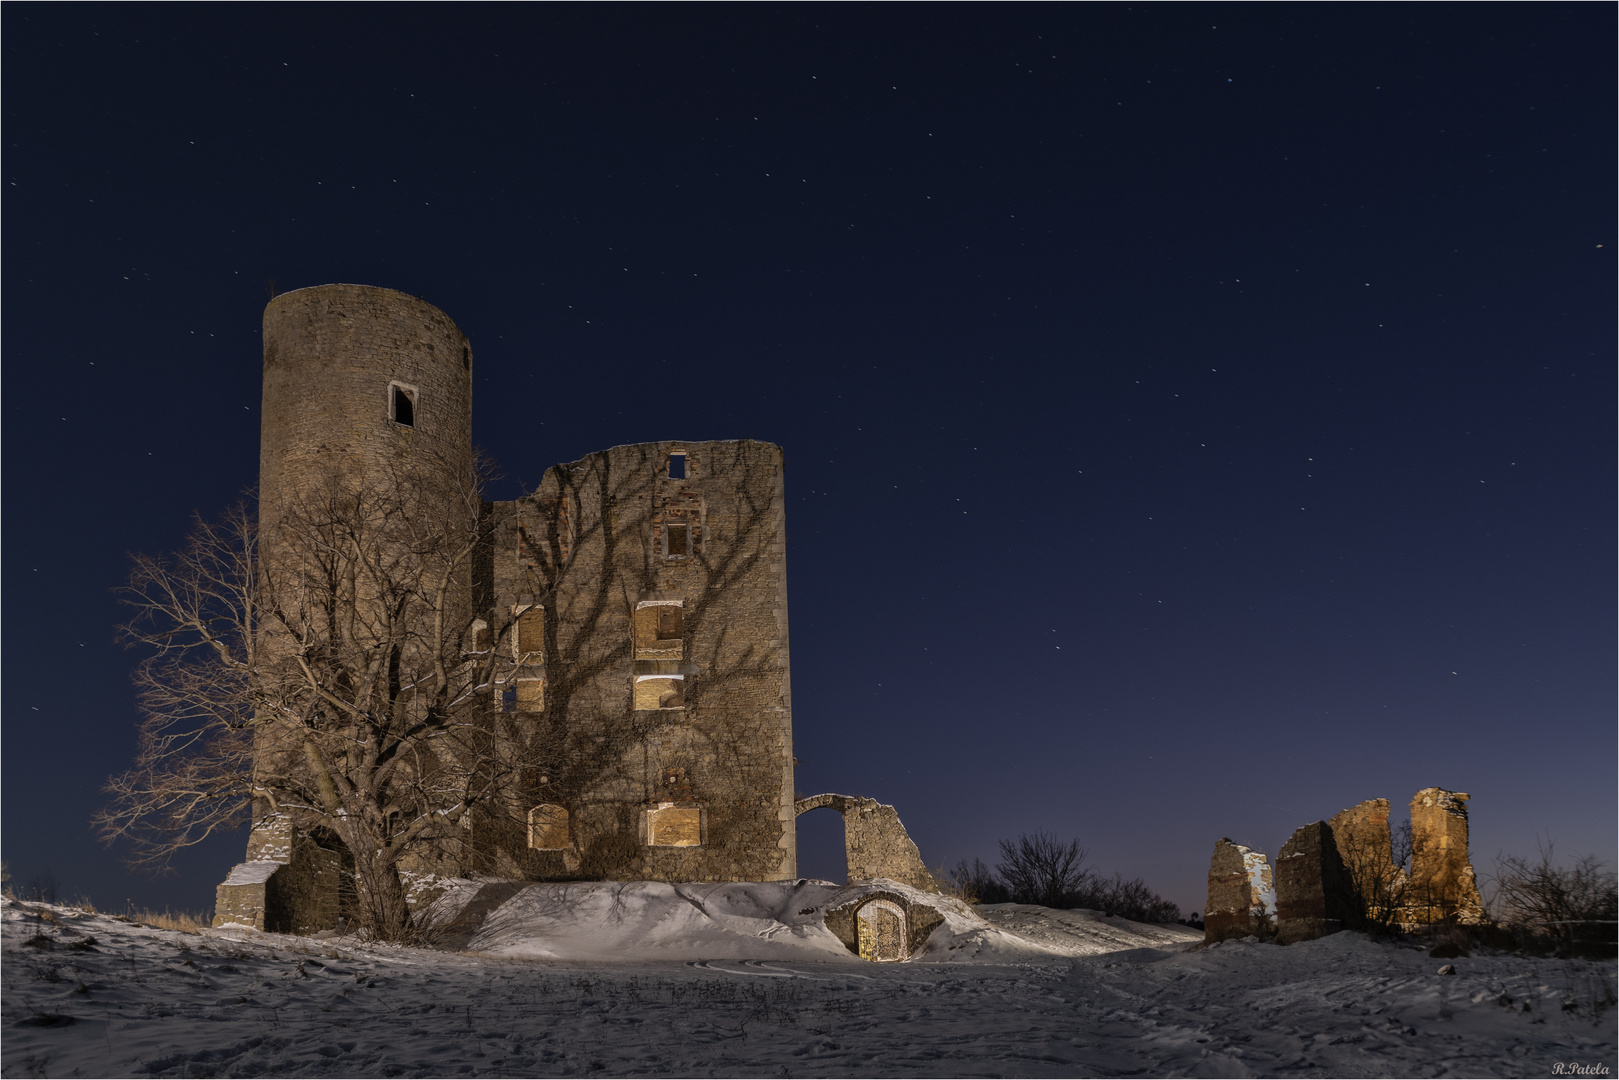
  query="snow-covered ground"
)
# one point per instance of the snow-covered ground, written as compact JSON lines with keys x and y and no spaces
{"x":1030,"y":992}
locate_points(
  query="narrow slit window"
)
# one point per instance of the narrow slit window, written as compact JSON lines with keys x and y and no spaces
{"x":677,"y":465}
{"x":677,"y":539}
{"x":404,"y":406}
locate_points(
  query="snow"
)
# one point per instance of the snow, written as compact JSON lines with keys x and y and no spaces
{"x":256,"y":872}
{"x":1024,"y":992}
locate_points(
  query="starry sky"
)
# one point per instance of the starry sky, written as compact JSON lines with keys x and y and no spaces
{"x":1198,"y":419}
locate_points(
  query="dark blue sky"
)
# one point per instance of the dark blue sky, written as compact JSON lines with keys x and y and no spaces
{"x":1198,"y":418}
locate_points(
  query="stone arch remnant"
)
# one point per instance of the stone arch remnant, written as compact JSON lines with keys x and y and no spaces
{"x":875,"y":841}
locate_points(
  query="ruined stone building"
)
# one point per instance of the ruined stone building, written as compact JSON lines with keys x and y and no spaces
{"x":632,"y":611}
{"x":1346,"y":873}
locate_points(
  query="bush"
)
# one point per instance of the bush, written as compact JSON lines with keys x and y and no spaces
{"x":1042,"y":869}
{"x":1565,"y":909}
{"x":976,"y":883}
{"x":1130,"y":899}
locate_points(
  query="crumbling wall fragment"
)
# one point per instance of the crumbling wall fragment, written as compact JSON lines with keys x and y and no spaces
{"x":1314,"y":893}
{"x":1443,"y":886}
{"x":875,"y":841}
{"x":1242,"y":894}
{"x":289,"y":884}
{"x":1366,"y":847}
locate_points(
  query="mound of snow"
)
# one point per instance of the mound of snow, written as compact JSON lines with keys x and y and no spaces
{"x":1079,"y":932}
{"x":745,"y":920}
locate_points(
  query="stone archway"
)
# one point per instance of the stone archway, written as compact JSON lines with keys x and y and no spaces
{"x":875,"y":841}
{"x":883,"y":931}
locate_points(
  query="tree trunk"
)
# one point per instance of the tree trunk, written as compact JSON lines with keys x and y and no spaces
{"x":382,"y":897}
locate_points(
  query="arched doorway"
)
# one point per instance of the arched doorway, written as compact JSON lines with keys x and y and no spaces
{"x":883,"y":931}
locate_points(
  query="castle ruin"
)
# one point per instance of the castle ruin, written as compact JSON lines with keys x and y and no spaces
{"x":1345,"y":873}
{"x":632,"y":612}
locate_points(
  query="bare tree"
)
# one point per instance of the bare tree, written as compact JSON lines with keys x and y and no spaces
{"x":1041,"y":869}
{"x":329,"y":670}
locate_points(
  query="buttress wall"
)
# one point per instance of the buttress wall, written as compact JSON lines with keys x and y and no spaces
{"x":640,"y":594}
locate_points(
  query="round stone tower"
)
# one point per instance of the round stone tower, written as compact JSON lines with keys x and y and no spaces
{"x":363,"y":383}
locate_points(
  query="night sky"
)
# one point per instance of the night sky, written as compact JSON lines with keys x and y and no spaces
{"x":1198,"y":419}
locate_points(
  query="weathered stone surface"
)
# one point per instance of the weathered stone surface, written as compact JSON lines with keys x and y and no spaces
{"x":875,"y":841}
{"x":635,"y":602}
{"x":917,"y":921}
{"x":1365,"y":845}
{"x":1314,"y":893}
{"x":1242,"y":894}
{"x":1443,"y":886}
{"x":301,"y":895}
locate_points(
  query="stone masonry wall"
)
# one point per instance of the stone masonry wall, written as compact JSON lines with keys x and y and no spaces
{"x":1242,"y":894}
{"x":1314,"y":896}
{"x":875,"y":841}
{"x":596,"y":544}
{"x":1337,"y":875}
{"x":330,"y":355}
{"x":1443,"y":885}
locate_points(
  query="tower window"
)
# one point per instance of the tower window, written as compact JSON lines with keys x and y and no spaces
{"x":677,"y":465}
{"x":676,"y":540}
{"x":659,"y":629}
{"x":402,"y":404}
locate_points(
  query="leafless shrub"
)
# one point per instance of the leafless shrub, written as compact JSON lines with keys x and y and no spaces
{"x":1042,"y":869}
{"x":1566,"y":909}
{"x":1128,"y":898}
{"x":974,"y":883}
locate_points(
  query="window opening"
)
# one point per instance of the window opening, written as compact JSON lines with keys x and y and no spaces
{"x":672,"y":825}
{"x":530,"y":695}
{"x":660,"y":692}
{"x":404,"y":406}
{"x":658,"y":627}
{"x":677,"y":465}
{"x":548,"y":827}
{"x":676,"y":540}
{"x":529,"y":638}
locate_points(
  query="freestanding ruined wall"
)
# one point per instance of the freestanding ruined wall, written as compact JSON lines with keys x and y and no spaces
{"x":1443,"y":885}
{"x":1242,"y":894}
{"x":1366,"y":845}
{"x":875,"y":842}
{"x":1314,"y":895}
{"x":649,"y":691}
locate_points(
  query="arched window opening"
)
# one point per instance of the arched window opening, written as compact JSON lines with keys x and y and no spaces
{"x":660,"y":692}
{"x":548,"y":827}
